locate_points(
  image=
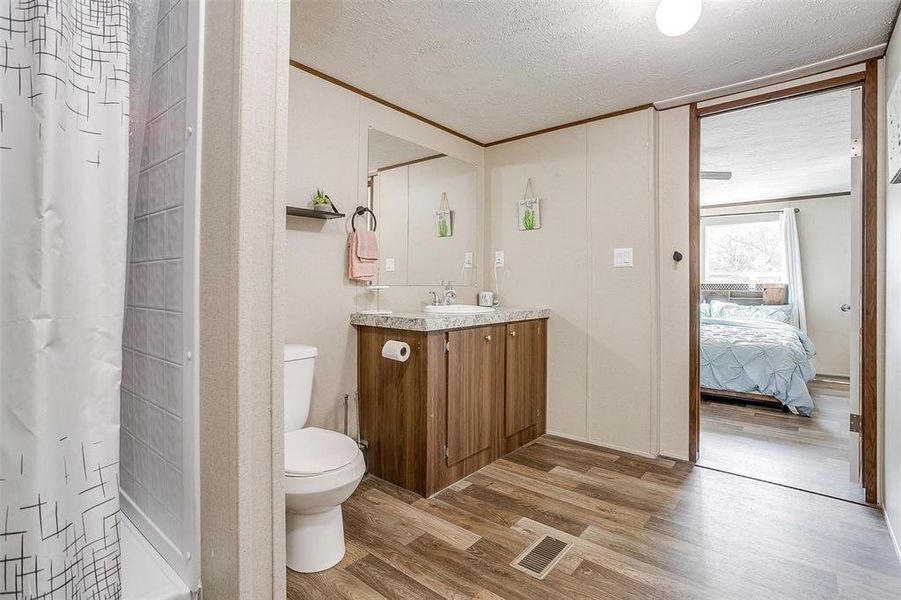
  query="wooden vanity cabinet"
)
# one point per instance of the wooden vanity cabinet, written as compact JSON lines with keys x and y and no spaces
{"x":463,"y":399}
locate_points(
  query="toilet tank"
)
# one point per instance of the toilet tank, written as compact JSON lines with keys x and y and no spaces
{"x":299,"y":362}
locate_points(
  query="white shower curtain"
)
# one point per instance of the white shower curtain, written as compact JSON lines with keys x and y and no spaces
{"x":64,"y":86}
{"x":793,"y":268}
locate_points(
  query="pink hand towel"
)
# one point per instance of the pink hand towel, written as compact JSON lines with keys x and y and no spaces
{"x":367,"y":245}
{"x":362,"y":255}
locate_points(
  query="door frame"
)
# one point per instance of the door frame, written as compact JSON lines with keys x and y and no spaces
{"x":868,"y":80}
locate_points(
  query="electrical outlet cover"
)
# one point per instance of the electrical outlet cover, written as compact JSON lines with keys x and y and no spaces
{"x":389,"y":265}
{"x":467,"y":260}
{"x":498,"y":258}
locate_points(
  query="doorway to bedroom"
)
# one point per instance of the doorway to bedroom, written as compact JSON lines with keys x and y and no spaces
{"x":779,"y":260}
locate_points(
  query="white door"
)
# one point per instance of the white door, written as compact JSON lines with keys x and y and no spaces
{"x":851,"y":310}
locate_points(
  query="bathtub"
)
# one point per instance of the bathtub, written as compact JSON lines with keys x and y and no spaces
{"x":145,"y":575}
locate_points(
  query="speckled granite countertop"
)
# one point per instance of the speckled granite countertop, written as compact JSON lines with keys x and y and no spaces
{"x":423,"y":321}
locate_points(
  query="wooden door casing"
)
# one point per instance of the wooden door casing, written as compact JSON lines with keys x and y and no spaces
{"x":868,"y":78}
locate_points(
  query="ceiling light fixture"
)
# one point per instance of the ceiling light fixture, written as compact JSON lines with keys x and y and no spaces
{"x":676,"y":17}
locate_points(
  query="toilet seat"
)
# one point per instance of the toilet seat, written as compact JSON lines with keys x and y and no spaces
{"x":311,"y":451}
{"x":322,"y":468}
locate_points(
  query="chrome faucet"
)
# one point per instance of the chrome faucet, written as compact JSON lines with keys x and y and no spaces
{"x":449,"y":297}
{"x":450,"y":294}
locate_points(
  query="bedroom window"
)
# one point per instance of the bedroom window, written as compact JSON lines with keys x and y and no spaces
{"x":747,"y":249}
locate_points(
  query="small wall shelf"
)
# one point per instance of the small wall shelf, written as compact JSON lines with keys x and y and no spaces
{"x":295,"y":211}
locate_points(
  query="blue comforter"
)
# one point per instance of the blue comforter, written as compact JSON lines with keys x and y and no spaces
{"x":765,"y":357}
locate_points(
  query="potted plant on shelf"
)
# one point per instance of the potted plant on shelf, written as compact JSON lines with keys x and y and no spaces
{"x":321,"y":201}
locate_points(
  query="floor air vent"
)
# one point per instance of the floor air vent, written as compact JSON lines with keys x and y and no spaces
{"x":538,"y":559}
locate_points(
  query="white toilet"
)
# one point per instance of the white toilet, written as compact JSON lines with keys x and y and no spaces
{"x":322,"y":470}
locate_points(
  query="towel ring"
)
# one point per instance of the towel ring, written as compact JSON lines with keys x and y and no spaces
{"x":361,"y":210}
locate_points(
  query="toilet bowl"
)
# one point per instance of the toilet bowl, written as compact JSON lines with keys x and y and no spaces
{"x":322,"y":470}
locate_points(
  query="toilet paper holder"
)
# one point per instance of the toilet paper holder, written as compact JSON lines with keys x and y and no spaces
{"x":396,"y":350}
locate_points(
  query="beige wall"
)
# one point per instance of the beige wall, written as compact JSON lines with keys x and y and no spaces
{"x":323,"y":151}
{"x":242,"y":207}
{"x":623,"y":301}
{"x":548,"y":267}
{"x":328,"y":129}
{"x":891,"y":472}
{"x":824,"y":231}
{"x":597,"y":185}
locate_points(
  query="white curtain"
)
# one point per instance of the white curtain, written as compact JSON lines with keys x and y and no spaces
{"x":64,"y":117}
{"x":793,"y":268}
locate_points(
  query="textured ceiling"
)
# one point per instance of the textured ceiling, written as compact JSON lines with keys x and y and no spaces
{"x":798,"y":147}
{"x":492,"y":69}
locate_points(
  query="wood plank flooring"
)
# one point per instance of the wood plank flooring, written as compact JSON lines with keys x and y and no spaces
{"x":809,"y":453}
{"x":641,"y":528}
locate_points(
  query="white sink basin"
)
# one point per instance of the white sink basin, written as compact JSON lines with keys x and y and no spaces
{"x":457,"y":309}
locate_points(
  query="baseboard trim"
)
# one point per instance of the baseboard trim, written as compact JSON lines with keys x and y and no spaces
{"x":577,"y":438}
{"x":891,"y":533}
{"x":832,"y":378}
{"x":674,"y":456}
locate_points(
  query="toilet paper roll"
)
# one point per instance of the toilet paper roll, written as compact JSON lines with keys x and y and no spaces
{"x":394,"y":350}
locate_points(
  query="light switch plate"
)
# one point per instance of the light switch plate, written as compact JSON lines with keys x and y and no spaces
{"x":467,"y":260}
{"x":389,"y":265}
{"x":622,"y":257}
{"x":498,"y":258}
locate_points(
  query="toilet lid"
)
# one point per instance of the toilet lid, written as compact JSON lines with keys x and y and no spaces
{"x":311,"y":451}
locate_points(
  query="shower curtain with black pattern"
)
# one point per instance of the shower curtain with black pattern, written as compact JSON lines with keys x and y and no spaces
{"x":64,"y":119}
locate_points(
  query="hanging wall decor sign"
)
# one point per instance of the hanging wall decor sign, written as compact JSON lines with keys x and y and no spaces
{"x":444,"y":218}
{"x":529,"y":210}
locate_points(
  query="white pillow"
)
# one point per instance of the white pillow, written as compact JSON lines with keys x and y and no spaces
{"x":781,"y":313}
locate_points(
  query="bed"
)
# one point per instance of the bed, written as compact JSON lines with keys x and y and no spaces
{"x":745,"y":354}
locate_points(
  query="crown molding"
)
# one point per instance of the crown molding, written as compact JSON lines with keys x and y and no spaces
{"x":838,"y":62}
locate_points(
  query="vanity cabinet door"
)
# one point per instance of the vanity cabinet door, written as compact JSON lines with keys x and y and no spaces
{"x":475,"y":362}
{"x":526,"y":383}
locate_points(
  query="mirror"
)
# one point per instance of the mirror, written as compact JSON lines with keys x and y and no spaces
{"x":425,"y":206}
